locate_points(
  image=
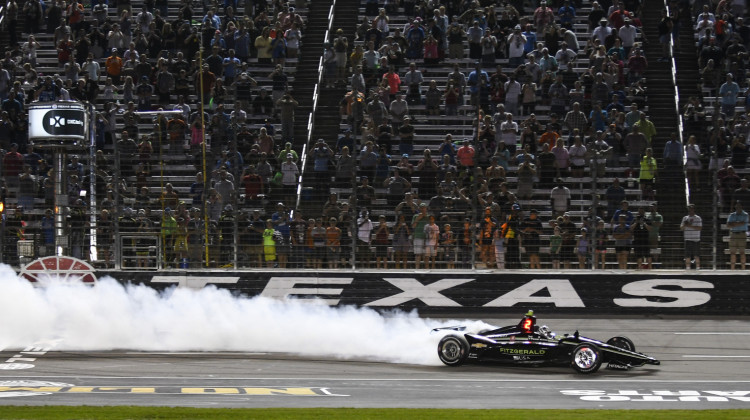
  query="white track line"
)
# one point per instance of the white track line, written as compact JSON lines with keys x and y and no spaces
{"x":712,"y":333}
{"x":717,"y":356}
{"x":298,"y":380}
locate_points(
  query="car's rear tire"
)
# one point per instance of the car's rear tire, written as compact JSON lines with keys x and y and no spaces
{"x":586,"y":358}
{"x":453,"y":350}
{"x":622,"y":342}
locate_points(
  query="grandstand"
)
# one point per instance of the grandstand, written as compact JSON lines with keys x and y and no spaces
{"x":521,"y":128}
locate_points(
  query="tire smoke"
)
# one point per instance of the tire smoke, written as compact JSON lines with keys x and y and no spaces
{"x":113,"y":316}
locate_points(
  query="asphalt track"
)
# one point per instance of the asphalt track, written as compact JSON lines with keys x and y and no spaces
{"x":705,"y":364}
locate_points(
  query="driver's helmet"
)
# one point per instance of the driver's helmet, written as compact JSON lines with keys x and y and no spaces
{"x":545,"y":332}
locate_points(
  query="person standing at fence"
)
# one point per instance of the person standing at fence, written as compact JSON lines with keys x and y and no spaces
{"x":737,"y":224}
{"x":691,"y":226}
{"x":418,"y":222}
{"x":431,"y":239}
{"x":364,"y":238}
{"x":333,"y":243}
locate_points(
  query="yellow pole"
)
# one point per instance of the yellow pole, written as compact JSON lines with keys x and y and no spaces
{"x":205,"y":176}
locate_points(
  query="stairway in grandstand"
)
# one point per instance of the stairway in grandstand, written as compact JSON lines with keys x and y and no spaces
{"x":327,"y":116}
{"x":307,"y":68}
{"x":662,"y":112}
{"x":689,"y":84}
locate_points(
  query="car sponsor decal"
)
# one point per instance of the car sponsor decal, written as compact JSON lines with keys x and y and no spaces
{"x":529,"y":352}
{"x":31,"y":388}
{"x":657,"y":395}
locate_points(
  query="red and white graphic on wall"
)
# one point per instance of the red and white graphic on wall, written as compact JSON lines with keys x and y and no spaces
{"x":66,"y":269}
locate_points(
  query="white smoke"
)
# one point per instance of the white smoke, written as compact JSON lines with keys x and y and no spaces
{"x":112,"y":316}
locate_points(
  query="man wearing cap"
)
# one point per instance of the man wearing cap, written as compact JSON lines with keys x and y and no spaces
{"x":602,"y":31}
{"x":406,"y":137}
{"x":286,"y":106}
{"x":287,"y":150}
{"x":289,"y":175}
{"x":543,"y":16}
{"x":737,"y":224}
{"x":399,"y":111}
{"x":322,"y":156}
{"x":465,"y":154}
{"x":377,"y":110}
{"x":627,"y":34}
{"x":516,"y":42}
{"x":728,"y":93}
{"x":566,"y":14}
{"x":397,"y":186}
{"x":114,"y":65}
{"x":691,"y":226}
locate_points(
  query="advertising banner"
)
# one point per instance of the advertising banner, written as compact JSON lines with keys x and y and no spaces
{"x":57,"y":121}
{"x":483,"y":293}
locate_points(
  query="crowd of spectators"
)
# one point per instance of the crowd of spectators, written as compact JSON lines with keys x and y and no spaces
{"x":127,"y":59}
{"x":554,"y":97}
{"x":716,"y":122}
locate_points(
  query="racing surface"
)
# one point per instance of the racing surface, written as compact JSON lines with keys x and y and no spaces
{"x":704,"y":364}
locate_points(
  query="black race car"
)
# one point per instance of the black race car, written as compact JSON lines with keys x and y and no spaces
{"x":527,"y":343}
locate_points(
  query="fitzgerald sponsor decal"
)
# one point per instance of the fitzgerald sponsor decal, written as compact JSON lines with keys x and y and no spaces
{"x":527,"y":352}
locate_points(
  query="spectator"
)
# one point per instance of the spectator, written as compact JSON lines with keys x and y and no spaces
{"x":406,"y":137}
{"x":648,"y":174}
{"x":623,"y":234}
{"x":693,"y":163}
{"x":397,"y":186}
{"x":636,"y":144}
{"x":737,"y":224}
{"x":646,"y":127}
{"x":691,"y":226}
{"x":623,"y":210}
{"x":562,"y":158}
{"x":567,"y":246}
{"x":728,"y":92}
{"x":576,"y":119}
{"x":665,"y":27}
{"x":560,"y":198}
{"x":364,"y":239}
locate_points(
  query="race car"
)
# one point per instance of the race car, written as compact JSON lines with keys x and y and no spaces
{"x":530,"y":344}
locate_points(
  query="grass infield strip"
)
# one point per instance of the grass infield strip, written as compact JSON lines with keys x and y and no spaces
{"x":130,"y":412}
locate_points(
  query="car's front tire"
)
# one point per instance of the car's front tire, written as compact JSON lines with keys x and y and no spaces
{"x":586,"y":358}
{"x":622,"y":342}
{"x":453,"y":350}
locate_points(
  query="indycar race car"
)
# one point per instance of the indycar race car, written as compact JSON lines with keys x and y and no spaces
{"x":529,"y":344}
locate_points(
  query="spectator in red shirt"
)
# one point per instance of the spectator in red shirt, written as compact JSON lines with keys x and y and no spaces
{"x":465,"y":154}
{"x":64,"y":50}
{"x":394,"y":82}
{"x":637,"y":66}
{"x":12,"y":167}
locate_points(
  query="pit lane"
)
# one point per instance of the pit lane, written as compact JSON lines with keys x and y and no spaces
{"x":704,"y":365}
